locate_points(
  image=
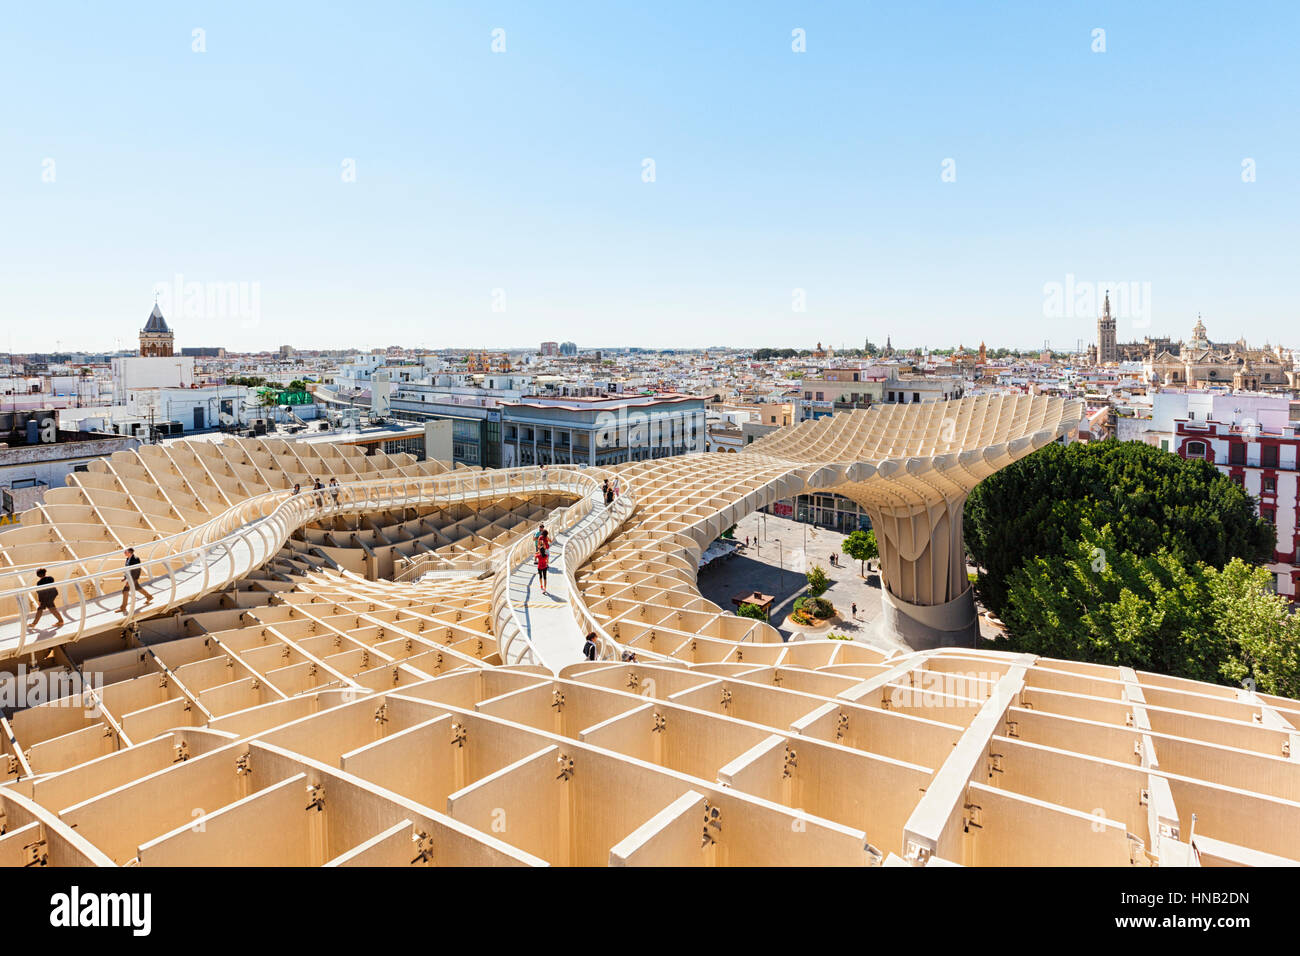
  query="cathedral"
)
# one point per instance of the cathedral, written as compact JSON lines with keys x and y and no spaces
{"x":1199,"y":362}
{"x":1108,"y":350}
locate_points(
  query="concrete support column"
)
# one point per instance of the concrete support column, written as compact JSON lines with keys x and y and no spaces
{"x":926,"y":626}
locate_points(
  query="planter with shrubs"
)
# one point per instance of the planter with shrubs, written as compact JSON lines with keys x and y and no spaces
{"x":810,"y":611}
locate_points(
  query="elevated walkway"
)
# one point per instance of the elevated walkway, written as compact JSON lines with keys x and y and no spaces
{"x":549,"y":619}
{"x":186,"y":566}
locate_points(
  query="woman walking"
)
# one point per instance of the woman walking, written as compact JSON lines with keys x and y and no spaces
{"x":543,"y":562}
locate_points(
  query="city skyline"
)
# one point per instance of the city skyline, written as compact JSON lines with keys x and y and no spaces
{"x":477,"y":177}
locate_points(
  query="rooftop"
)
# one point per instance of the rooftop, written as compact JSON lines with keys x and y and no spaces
{"x":156,"y":322}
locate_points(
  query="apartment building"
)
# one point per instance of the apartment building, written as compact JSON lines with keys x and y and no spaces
{"x":1261,"y":457}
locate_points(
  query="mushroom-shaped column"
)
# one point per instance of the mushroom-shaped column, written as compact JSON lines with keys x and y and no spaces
{"x":911,"y":468}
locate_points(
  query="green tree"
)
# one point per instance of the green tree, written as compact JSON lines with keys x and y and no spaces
{"x":861,"y":547}
{"x":1265,"y":632}
{"x":1100,"y":604}
{"x":751,"y":610}
{"x":1151,"y":499}
{"x":818,"y":581}
{"x":1104,"y":605}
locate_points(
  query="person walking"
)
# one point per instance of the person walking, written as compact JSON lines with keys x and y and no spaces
{"x":131,"y":580}
{"x":590,"y":649}
{"x":543,"y":562}
{"x":334,"y":491}
{"x":609,"y":494}
{"x":45,"y":599}
{"x":320,"y":498}
{"x":605,"y":493}
{"x":296,"y":488}
{"x":855,"y":610}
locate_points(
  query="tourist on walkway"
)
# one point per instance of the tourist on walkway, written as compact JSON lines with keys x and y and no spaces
{"x":334,"y":491}
{"x":543,"y":562}
{"x":45,"y":599}
{"x":609,"y":494}
{"x":296,"y":488}
{"x":855,"y":610}
{"x":629,"y":657}
{"x":320,"y":498}
{"x":131,"y":580}
{"x":591,"y":648}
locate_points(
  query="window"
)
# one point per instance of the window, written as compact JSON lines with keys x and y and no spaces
{"x":1236,"y":454}
{"x":1239,"y":480}
{"x":1195,"y":449}
{"x":1269,"y":515}
{"x":1269,"y":485}
{"x":821,"y":396}
{"x":1268,"y":456}
{"x":916,"y":396}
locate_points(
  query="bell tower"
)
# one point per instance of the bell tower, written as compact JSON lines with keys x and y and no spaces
{"x":156,"y":338}
{"x":1107,"y":350}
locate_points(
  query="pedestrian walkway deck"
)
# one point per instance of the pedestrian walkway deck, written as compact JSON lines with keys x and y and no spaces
{"x":549,"y":618}
{"x":179,"y":571}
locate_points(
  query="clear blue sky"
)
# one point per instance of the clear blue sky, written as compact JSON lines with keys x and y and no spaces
{"x":522,"y":170}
